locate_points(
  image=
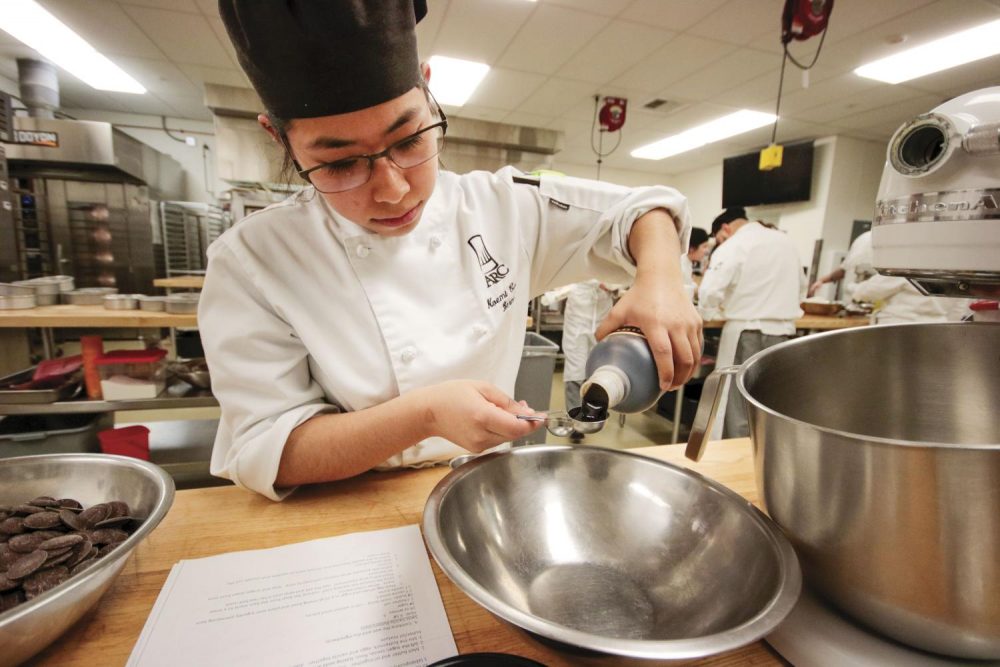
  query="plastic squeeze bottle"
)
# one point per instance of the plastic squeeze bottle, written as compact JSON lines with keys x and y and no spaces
{"x":621,"y":376}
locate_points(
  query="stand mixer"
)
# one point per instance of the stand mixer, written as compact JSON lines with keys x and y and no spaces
{"x":937,"y":218}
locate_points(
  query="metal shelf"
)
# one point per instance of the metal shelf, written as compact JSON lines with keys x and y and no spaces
{"x":178,"y":395}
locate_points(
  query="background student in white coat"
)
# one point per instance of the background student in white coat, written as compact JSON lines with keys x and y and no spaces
{"x":755,"y":282}
{"x":587,"y":304}
{"x":857,"y":266}
{"x":377,"y":318}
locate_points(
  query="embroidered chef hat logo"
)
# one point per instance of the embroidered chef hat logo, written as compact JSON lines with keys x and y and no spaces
{"x":493,"y":270}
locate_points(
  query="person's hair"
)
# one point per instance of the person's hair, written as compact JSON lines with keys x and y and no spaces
{"x":729,"y":215}
{"x":698,"y":236}
{"x":288,"y":173}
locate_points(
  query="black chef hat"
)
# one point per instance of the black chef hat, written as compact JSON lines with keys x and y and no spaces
{"x":730,"y":214}
{"x":309,"y":58}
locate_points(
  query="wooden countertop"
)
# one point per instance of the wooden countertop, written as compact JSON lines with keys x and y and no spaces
{"x":180,"y":282}
{"x":811,"y":322}
{"x":92,"y":317}
{"x":206,"y":522}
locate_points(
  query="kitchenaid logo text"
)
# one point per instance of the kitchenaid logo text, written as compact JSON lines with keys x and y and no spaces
{"x":940,"y":206}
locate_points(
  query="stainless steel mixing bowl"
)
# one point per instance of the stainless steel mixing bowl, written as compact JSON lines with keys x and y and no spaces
{"x":609,"y":553}
{"x":877,"y":450}
{"x":89,"y":478}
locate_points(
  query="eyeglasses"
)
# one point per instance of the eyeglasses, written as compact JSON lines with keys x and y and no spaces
{"x":353,"y":172}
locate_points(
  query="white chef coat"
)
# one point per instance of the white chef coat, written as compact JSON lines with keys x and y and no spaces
{"x":755,"y":277}
{"x":755,"y":282}
{"x":304,"y":312}
{"x":897,"y":300}
{"x":687,"y":273}
{"x":858,"y":262}
{"x":587,"y":304}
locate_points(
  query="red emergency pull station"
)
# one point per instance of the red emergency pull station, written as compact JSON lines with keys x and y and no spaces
{"x":612,"y":114}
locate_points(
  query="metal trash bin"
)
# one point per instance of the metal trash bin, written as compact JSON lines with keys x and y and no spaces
{"x":24,"y":435}
{"x":534,"y":379}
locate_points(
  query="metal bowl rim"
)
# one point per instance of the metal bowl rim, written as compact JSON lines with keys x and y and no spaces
{"x":763,"y":622}
{"x":166,"y":500}
{"x":863,"y":439}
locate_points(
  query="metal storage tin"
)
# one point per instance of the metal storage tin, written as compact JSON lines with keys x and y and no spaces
{"x":152,"y":303}
{"x":122,"y":301}
{"x":15,"y":297}
{"x":182,"y":303}
{"x":87,"y":296}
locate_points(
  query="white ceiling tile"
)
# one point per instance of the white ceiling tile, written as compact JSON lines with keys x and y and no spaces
{"x":850,"y":18}
{"x":743,"y":22}
{"x":158,"y":76}
{"x":481,"y":113}
{"x":505,"y":89}
{"x":191,"y":107}
{"x":219,"y":28}
{"x":229,"y":76}
{"x":106,"y":26}
{"x":896,"y":113}
{"x":672,"y":14}
{"x":695,"y":114}
{"x":184,"y":38}
{"x":427,"y":29}
{"x":839,"y":88}
{"x":681,"y":56}
{"x":481,"y":30}
{"x":549,"y":38}
{"x":840,"y":107}
{"x":602,"y":7}
{"x":730,"y":71}
{"x":755,"y":93}
{"x":556,"y":97}
{"x":174,"y":5}
{"x":207,"y":7}
{"x":613,"y":51}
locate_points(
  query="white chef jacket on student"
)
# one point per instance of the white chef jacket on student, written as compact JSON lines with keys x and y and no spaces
{"x":755,"y":282}
{"x":587,"y":304}
{"x":858,"y":261}
{"x":897,"y":300}
{"x":304,"y":312}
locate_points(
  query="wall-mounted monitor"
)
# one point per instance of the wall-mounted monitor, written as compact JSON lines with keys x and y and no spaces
{"x":744,"y":184}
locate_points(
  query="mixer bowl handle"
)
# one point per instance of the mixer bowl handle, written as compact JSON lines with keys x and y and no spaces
{"x":715,"y":387}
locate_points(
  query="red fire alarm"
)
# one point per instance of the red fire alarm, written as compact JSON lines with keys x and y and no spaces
{"x":612,"y":114}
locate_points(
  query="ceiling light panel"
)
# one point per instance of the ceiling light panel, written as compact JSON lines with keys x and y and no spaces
{"x":453,"y":80}
{"x":742,"y":121}
{"x":31,"y":24}
{"x":941,"y":54}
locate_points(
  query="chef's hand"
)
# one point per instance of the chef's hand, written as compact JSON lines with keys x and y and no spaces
{"x":476,"y":415}
{"x":670,"y":323}
{"x":815,"y":287}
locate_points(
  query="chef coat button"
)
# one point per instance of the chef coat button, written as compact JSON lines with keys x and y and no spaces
{"x":435,"y":242}
{"x":479,"y":330}
{"x":408,"y":355}
{"x":363,"y":251}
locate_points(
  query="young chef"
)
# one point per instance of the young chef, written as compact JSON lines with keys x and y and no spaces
{"x":755,"y":282}
{"x":376,"y":319}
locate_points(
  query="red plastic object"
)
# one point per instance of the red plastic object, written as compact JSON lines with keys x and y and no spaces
{"x":57,"y":368}
{"x":149,"y":356}
{"x":127,"y":441}
{"x":91,"y":347}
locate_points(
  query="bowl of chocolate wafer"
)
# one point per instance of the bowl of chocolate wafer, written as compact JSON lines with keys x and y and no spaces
{"x":68,"y":523}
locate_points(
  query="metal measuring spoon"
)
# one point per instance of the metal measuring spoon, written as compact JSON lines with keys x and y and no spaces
{"x":562,"y":424}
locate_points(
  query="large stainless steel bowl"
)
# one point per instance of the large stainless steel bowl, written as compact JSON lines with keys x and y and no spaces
{"x":611,"y":553}
{"x":878,"y":452}
{"x":90,"y":478}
